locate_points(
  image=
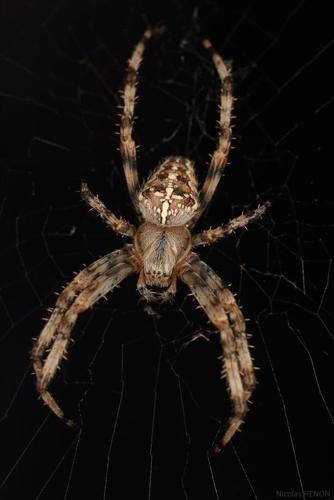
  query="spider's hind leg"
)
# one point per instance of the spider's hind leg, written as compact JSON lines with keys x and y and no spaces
{"x":127,"y":143}
{"x":220,"y":155}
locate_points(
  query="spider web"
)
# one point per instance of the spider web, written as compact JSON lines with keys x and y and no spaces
{"x":144,"y":381}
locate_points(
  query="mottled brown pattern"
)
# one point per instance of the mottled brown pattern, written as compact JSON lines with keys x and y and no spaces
{"x":170,"y":196}
{"x":160,"y":253}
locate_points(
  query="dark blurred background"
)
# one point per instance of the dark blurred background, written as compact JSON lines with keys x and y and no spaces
{"x":144,"y":380}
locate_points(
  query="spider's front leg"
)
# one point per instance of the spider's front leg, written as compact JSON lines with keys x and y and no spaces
{"x":90,"y":285}
{"x":223,"y":311}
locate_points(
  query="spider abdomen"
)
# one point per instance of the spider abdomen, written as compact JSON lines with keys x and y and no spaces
{"x":170,"y":197}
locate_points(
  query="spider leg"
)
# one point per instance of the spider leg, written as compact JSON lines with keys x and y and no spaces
{"x":220,"y":306}
{"x":212,"y":235}
{"x":90,"y":285}
{"x":220,"y":155}
{"x":118,"y":225}
{"x":127,"y":144}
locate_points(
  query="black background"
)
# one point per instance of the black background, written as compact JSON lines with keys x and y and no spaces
{"x":144,"y":381}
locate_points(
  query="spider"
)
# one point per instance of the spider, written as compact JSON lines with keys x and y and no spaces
{"x":168,"y":206}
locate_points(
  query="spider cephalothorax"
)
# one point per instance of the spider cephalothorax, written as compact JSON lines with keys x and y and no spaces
{"x":160,"y":251}
{"x":168,"y":206}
